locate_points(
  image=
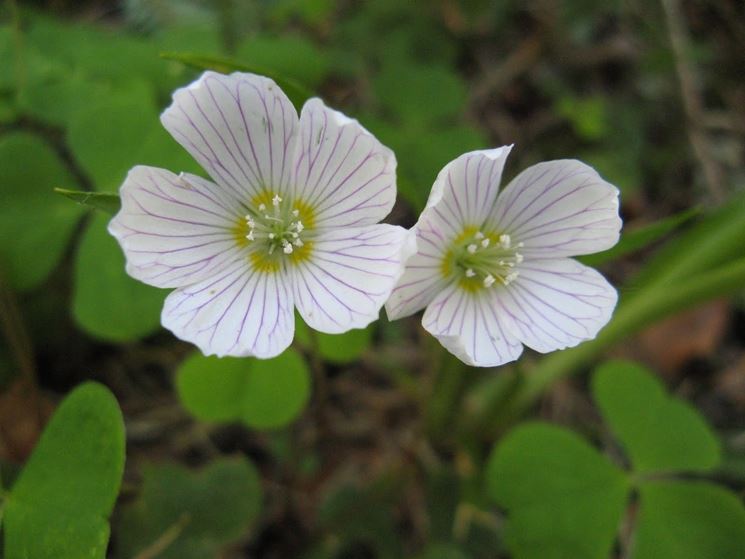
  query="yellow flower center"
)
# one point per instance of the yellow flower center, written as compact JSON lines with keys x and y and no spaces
{"x":276,"y":230}
{"x":480,"y":260}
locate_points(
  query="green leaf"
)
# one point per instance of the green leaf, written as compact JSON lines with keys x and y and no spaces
{"x":39,"y":223}
{"x":297,"y":92}
{"x":104,"y":201}
{"x":634,"y":240}
{"x":263,"y":393}
{"x":563,"y":499}
{"x":193,"y":514}
{"x":660,"y":433}
{"x":399,"y":89}
{"x":688,"y":520}
{"x":109,"y":139}
{"x":292,"y":57}
{"x":712,"y":242}
{"x":339,"y":349}
{"x":59,"y":506}
{"x":107,"y":303}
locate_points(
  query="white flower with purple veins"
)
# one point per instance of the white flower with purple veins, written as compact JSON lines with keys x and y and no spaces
{"x":494,"y":270}
{"x":290,"y":221}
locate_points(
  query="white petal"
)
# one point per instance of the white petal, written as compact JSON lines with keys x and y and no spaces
{"x":423,"y":278}
{"x":466,"y":189}
{"x":241,"y":128}
{"x":174,"y":229}
{"x":239,"y":312}
{"x":559,"y":208}
{"x":554,"y":304}
{"x":349,"y":276}
{"x":470,"y":327}
{"x":342,"y":171}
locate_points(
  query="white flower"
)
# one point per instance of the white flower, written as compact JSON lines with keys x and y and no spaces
{"x":290,"y":221}
{"x":494,"y":271}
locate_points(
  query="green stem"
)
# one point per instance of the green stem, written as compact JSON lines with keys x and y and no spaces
{"x":447,"y":391}
{"x":632,"y":315}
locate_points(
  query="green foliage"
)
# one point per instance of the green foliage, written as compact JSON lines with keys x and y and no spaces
{"x":289,"y":57}
{"x":107,"y":303}
{"x":191,"y":514}
{"x":39,"y":225}
{"x":339,"y":349}
{"x":59,"y":505}
{"x":297,"y":92}
{"x":357,"y":517}
{"x":637,"y":239}
{"x":104,"y":201}
{"x":564,"y":499}
{"x":263,"y":393}
{"x":659,"y":433}
{"x":688,"y":520}
{"x":109,"y":139}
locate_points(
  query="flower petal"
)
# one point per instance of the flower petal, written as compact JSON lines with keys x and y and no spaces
{"x":238,"y":312}
{"x":559,"y":208}
{"x":349,"y":276}
{"x":422,"y":279}
{"x":470,"y":328}
{"x":341,"y":170}
{"x":554,"y":304}
{"x":174,"y":229}
{"x":466,"y":189}
{"x":241,"y":128}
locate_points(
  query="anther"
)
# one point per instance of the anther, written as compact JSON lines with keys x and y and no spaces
{"x":471,"y":248}
{"x":295,"y":212}
{"x":505,"y":240}
{"x":485,"y":243}
{"x":276,"y":200}
{"x":262,"y":207}
{"x":489,"y":280}
{"x":250,"y":236}
{"x":479,"y":235}
{"x":470,"y":273}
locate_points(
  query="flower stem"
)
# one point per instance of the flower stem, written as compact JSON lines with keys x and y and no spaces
{"x":634,"y":313}
{"x":447,"y":391}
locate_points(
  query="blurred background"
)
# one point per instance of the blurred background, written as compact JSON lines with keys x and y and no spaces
{"x":652,"y":94}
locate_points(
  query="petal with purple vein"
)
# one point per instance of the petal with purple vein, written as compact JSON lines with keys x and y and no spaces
{"x":470,"y":328}
{"x":559,"y":208}
{"x":554,"y":304}
{"x":239,"y":312}
{"x":349,"y":276}
{"x":175,"y":230}
{"x":423,"y":277}
{"x":341,"y":170}
{"x":466,"y":189}
{"x":241,"y":128}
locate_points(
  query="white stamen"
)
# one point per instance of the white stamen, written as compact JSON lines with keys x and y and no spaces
{"x":512,"y":276}
{"x":299,"y":226}
{"x":505,"y":240}
{"x":276,"y":200}
{"x":286,"y":247}
{"x":518,"y":258}
{"x":296,"y":212}
{"x":250,"y":235}
{"x":297,"y":243}
{"x":489,"y":280}
{"x":294,"y":235}
{"x":470,"y":273}
{"x":479,"y":235}
{"x":471,"y":248}
{"x":271,"y":235}
{"x":262,"y":207}
{"x":485,"y":243}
